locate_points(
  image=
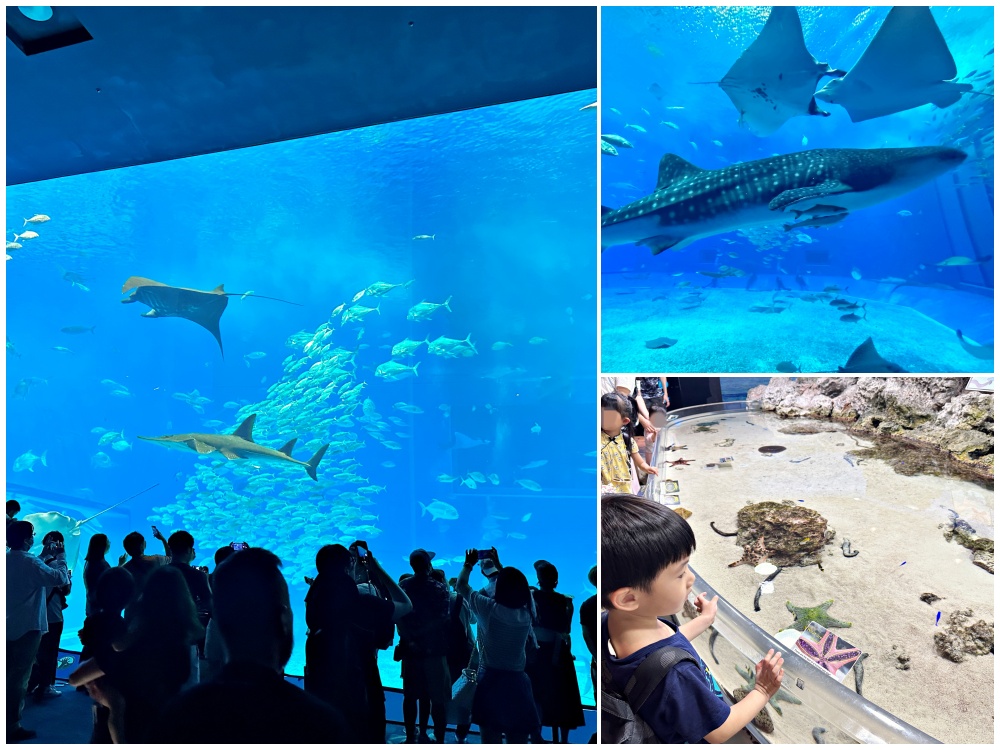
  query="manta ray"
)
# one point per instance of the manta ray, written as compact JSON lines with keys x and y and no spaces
{"x":867,"y":359}
{"x":775,"y":77}
{"x":196,"y":305}
{"x":238,"y":445}
{"x":907,"y":64}
{"x":690,"y":202}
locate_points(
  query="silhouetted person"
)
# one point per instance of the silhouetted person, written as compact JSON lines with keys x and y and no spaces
{"x":182,"y":554}
{"x":503,"y":703}
{"x":153,"y":661}
{"x":334,"y":667}
{"x":141,"y":565}
{"x":250,"y":702}
{"x":214,"y":653}
{"x":41,"y":683}
{"x":589,"y":626}
{"x":94,"y":566}
{"x":13,"y":508}
{"x":423,"y":636}
{"x":553,"y":676}
{"x":382,"y":604}
{"x":104,"y":627}
{"x":27,"y":580}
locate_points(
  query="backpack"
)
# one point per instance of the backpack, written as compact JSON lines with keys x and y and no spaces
{"x":620,"y":720}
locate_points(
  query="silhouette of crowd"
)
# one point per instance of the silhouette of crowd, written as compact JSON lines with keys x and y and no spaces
{"x":174,"y":654}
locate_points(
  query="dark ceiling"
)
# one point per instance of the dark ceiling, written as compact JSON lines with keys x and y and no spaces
{"x":158,"y":83}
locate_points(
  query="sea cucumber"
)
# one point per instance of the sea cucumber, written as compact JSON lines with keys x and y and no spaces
{"x":818,"y":733}
{"x":721,"y":533}
{"x":711,"y":644}
{"x":801,"y":460}
{"x":859,"y":672}
{"x":756,"y":598}
{"x":846,"y":549}
{"x":848,"y":459}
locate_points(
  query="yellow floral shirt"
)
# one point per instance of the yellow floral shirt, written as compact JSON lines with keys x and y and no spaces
{"x":614,"y":464}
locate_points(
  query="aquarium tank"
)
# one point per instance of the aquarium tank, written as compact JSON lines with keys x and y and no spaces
{"x":909,"y":271}
{"x":413,"y":303}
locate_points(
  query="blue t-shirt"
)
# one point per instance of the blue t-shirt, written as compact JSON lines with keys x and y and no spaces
{"x":687,"y":705}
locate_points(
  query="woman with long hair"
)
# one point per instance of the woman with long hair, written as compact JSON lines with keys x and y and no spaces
{"x":94,"y":566}
{"x":503,"y":704}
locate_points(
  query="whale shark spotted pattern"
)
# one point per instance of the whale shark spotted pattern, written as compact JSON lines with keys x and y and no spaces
{"x":690,"y":202}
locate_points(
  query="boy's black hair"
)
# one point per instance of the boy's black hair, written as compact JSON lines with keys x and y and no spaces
{"x":639,"y":539}
{"x":180,"y":543}
{"x":13,"y":508}
{"x":133,"y":543}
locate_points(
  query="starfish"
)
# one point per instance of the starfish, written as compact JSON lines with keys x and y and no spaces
{"x":827,"y":654}
{"x":747,"y":674}
{"x":681,"y":462}
{"x":805,"y":615}
{"x":753,"y":554}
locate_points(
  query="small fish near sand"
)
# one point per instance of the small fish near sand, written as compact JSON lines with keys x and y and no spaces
{"x":787,"y":366}
{"x":660,"y":343}
{"x":853,"y":317}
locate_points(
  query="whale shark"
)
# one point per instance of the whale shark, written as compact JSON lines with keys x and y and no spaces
{"x":238,"y":445}
{"x":690,"y":202}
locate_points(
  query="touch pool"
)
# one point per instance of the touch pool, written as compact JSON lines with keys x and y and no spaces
{"x":711,"y":460}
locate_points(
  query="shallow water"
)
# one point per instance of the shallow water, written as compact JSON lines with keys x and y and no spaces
{"x":504,"y":405}
{"x":890,"y":520}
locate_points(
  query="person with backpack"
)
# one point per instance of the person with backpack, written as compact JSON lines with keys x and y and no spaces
{"x":654,"y":686}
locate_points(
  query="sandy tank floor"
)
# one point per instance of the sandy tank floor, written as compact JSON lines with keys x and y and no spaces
{"x":722,"y":335}
{"x":890,"y":519}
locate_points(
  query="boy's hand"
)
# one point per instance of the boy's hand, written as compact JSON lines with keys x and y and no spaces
{"x":770,"y":674}
{"x":706,"y":607}
{"x":653,"y":470}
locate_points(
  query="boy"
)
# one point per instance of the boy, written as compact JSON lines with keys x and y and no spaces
{"x":645,"y":549}
{"x":616,"y":448}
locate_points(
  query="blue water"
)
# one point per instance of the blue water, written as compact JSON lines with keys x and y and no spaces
{"x":874,"y":249}
{"x":315,"y":221}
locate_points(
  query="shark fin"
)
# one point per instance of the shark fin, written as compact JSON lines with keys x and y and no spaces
{"x":287,"y":447}
{"x":662,"y":242}
{"x":788,"y":198}
{"x":314,"y":461}
{"x":674,"y":169}
{"x":219,"y":289}
{"x":231,"y":455}
{"x":245,"y":430}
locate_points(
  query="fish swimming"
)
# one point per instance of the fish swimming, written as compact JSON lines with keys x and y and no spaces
{"x":867,"y":359}
{"x":201,"y":307}
{"x":616,"y":140}
{"x":690,"y":202}
{"x":238,"y":445}
{"x":984,"y":351}
{"x":906,"y":65}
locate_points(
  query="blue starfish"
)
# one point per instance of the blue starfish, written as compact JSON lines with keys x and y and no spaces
{"x":803,"y":616}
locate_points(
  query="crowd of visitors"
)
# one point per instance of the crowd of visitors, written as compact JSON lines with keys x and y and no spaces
{"x":173,"y":654}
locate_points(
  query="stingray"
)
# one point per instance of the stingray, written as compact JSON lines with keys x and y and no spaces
{"x":867,"y":359}
{"x":775,"y":77}
{"x":906,"y":65}
{"x":661,"y":343}
{"x":68,"y":527}
{"x":201,"y":307}
{"x":767,"y":449}
{"x":979,"y":351}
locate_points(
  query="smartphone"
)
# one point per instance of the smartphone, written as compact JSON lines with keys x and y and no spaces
{"x":155,"y":532}
{"x":239,"y":546}
{"x":362,"y":553}
{"x":484,"y":554}
{"x":360,"y":543}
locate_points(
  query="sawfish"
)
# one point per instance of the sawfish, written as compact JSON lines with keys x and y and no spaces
{"x":68,"y":527}
{"x":690,"y":202}
{"x":238,"y":445}
{"x":196,"y":305}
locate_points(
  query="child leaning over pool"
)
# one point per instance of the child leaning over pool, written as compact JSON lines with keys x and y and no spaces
{"x":645,"y":549}
{"x":616,"y":448}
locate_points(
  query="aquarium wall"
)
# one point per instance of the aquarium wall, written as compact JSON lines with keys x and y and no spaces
{"x":398,"y":292}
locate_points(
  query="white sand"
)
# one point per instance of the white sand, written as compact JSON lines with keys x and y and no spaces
{"x":889,"y":518}
{"x":723,"y":336}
